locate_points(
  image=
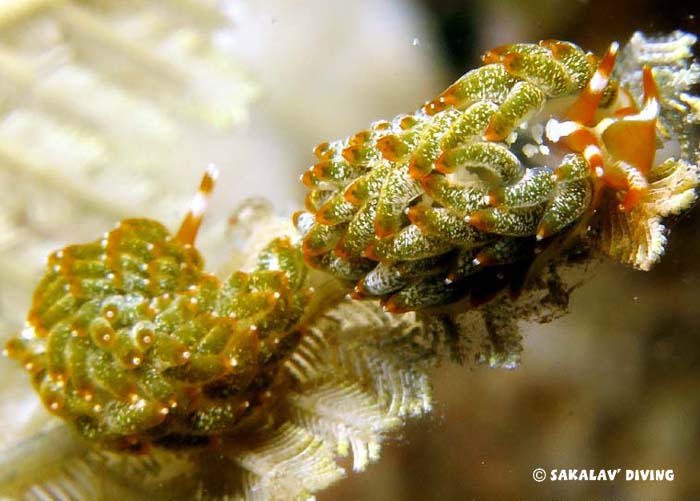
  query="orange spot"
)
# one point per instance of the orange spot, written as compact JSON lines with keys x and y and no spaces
{"x":495,"y":55}
{"x":441,"y":165}
{"x":322,"y":216}
{"x":206,"y":186}
{"x":444,"y":100}
{"x":359,"y":292}
{"x":556,"y":47}
{"x":322,"y":151}
{"x":407,"y":122}
{"x":14,"y":348}
{"x":480,"y":220}
{"x":417,"y":215}
{"x":512,"y":62}
{"x":53,"y":405}
{"x":351,"y":192}
{"x":381,"y":126}
{"x":491,"y":133}
{"x":543,"y":230}
{"x":484,"y":258}
{"x":309,"y":180}
{"x":309,"y":203}
{"x":86,"y":393}
{"x":308,"y":250}
{"x":417,"y":169}
{"x":633,"y":196}
{"x":360,"y":138}
{"x":370,"y":252}
{"x":390,"y":147}
{"x":321,"y":170}
{"x":382,"y":230}
{"x":432,"y":182}
{"x":391,"y":306}
{"x":351,"y":154}
{"x":497,"y":196}
{"x":433,"y":107}
{"x":341,"y":251}
{"x":30,"y":366}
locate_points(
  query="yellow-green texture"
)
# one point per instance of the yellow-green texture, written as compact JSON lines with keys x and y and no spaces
{"x":130,"y":339}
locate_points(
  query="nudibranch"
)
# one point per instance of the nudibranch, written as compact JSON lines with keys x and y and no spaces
{"x":540,"y":148}
{"x":130,"y":340}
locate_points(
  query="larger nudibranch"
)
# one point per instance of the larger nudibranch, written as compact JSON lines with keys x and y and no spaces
{"x":538,"y":143}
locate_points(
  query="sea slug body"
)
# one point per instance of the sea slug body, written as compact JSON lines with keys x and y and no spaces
{"x":540,"y":148}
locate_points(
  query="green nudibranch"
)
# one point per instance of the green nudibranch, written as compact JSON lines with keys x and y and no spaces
{"x":130,"y":339}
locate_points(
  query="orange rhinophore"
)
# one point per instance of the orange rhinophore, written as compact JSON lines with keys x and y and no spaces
{"x":193,"y":219}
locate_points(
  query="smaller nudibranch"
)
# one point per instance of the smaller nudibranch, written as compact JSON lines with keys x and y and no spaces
{"x":133,"y":343}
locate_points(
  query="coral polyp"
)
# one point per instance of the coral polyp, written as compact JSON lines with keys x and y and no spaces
{"x":133,"y":342}
{"x":539,"y":148}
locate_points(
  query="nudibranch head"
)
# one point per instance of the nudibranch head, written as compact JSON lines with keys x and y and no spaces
{"x":130,"y":340}
{"x":539,"y":148}
{"x":619,"y":141}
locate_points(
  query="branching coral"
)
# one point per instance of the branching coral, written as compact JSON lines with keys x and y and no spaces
{"x":464,"y":216}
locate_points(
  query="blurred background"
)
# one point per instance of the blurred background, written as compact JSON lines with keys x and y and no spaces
{"x":112,"y":108}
